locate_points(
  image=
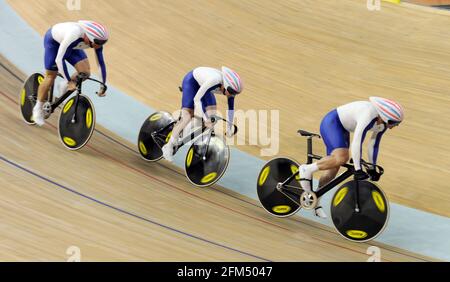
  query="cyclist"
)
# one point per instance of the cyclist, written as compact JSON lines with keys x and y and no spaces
{"x":199,"y":87}
{"x":66,"y":42}
{"x":376,"y":115}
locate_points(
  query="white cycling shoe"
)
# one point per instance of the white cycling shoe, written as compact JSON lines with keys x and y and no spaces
{"x":38,"y":116}
{"x":319,"y":212}
{"x":305,"y":177}
{"x":168,"y":152}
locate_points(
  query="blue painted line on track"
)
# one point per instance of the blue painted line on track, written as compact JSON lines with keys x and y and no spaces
{"x":18,"y":166}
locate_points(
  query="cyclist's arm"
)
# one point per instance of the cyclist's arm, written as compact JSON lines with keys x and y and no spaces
{"x":230,"y":111}
{"x":356,"y":146}
{"x":361,"y":129}
{"x":101,"y":62}
{"x":374,"y":145}
{"x":200,"y":93}
{"x":62,"y":51}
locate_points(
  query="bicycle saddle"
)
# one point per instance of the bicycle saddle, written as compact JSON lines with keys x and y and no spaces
{"x":307,"y":134}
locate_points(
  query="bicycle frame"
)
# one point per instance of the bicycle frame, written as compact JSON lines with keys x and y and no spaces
{"x":157,"y":135}
{"x":193,"y":135}
{"x":81,"y":77}
{"x":327,"y":187}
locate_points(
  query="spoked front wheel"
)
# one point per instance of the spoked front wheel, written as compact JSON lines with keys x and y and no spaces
{"x":373,"y":213}
{"x":76,"y":130}
{"x":282,"y":203}
{"x":155,"y":132}
{"x":207,"y":160}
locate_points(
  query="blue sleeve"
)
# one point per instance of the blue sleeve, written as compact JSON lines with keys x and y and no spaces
{"x":230,"y":110}
{"x":66,"y":71}
{"x":101,"y":62}
{"x":364,"y":135}
{"x":377,"y":146}
{"x":62,"y":62}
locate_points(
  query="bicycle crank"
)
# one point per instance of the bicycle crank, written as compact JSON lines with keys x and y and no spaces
{"x":308,"y":200}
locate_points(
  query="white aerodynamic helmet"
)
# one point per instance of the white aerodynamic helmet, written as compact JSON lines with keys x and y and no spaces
{"x":390,"y":111}
{"x":232,"y":81}
{"x":97,"y":33}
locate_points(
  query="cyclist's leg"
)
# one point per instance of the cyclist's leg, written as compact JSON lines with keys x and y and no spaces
{"x":185,"y":118}
{"x":336,"y":140}
{"x":51,"y":51}
{"x":209,"y":107}
{"x":44,"y":87}
{"x":331,"y":164}
{"x":209,"y":104}
{"x":190,"y":88}
{"x":79,"y":60}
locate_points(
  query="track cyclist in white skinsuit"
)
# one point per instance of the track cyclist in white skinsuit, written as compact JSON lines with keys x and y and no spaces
{"x":199,"y":87}
{"x":376,"y":115}
{"x":66,"y":42}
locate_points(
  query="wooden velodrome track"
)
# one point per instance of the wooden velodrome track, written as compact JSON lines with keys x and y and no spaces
{"x":301,"y":57}
{"x":113,"y":206}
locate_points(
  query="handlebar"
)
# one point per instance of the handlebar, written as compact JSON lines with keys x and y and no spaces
{"x":368,"y":166}
{"x":81,"y":77}
{"x":216,"y":118}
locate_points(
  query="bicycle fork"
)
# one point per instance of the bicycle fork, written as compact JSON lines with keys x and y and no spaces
{"x":74,"y":117}
{"x":357,"y":197}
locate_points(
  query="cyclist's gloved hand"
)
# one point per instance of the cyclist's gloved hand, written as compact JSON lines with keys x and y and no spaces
{"x":360,"y":175}
{"x":102,"y":91}
{"x":230,"y":131}
{"x":374,"y":174}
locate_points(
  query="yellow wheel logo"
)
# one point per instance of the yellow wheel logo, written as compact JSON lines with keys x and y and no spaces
{"x":168,"y":136}
{"x":294,"y":169}
{"x":208,"y":178}
{"x":22,"y":96}
{"x":189,"y":157}
{"x":379,"y":201}
{"x":282,"y":209}
{"x":68,"y":105}
{"x":142,"y":148}
{"x":263,"y":176}
{"x":69,"y":141}
{"x":340,"y":196}
{"x":89,"y":118}
{"x":40,"y":79}
{"x":155,"y":117}
{"x":356,"y":234}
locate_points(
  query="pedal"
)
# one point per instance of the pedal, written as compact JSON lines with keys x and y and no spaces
{"x":308,"y":200}
{"x":47,"y":108}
